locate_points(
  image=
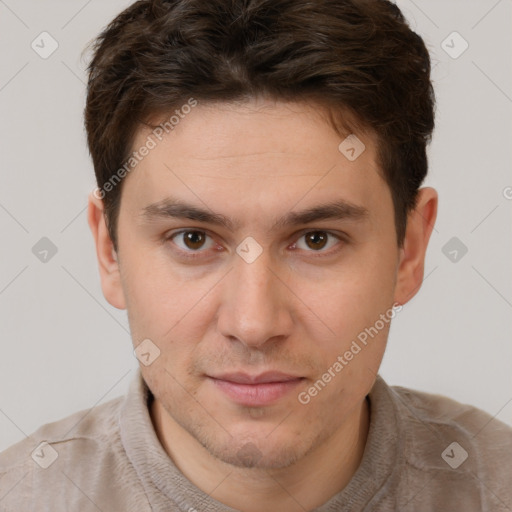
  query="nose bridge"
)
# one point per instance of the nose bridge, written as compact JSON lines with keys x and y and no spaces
{"x":253,"y":309}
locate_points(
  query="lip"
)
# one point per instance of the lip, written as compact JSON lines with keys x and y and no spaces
{"x":262,"y":378}
{"x":256,"y":390}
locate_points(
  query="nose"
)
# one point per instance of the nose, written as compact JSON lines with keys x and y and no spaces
{"x":256,"y":303}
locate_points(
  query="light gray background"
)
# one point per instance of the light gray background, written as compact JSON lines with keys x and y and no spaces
{"x":64,"y":348}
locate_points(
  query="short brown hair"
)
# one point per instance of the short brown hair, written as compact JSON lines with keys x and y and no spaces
{"x":354,"y":56}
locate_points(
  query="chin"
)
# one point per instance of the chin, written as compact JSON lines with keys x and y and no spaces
{"x":254,"y":451}
{"x":250,"y":455}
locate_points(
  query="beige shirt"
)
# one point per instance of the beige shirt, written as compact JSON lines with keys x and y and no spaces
{"x":424,"y":453}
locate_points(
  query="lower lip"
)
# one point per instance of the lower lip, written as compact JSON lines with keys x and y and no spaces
{"x":256,"y":394}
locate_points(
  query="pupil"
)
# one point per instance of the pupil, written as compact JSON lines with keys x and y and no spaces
{"x":315,"y":237}
{"x":194,"y":239}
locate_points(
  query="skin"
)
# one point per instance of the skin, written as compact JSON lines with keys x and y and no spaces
{"x":289,"y":310}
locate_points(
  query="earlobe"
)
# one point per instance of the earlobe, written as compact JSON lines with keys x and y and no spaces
{"x":420,"y":223}
{"x":107,"y":257}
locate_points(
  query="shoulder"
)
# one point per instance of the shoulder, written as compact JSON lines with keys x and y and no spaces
{"x":444,"y":414}
{"x":94,"y":425}
{"x":462,"y":451}
{"x":75,"y":454}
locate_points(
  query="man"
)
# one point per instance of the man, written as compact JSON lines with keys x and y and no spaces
{"x":259,"y":215}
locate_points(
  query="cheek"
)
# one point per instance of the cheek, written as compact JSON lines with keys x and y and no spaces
{"x":157,"y":298}
{"x":173,"y":309}
{"x":355,"y":294}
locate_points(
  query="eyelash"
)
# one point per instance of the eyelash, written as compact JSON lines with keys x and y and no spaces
{"x":191,"y":255}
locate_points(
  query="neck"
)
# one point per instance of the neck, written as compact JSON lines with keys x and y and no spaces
{"x":305,"y":485}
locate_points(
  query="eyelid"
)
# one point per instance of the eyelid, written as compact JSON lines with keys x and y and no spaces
{"x":188,"y":253}
{"x":330,"y":252}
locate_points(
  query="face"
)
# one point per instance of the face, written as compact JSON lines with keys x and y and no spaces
{"x":256,"y":306}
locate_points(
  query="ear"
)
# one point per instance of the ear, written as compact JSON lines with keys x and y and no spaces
{"x":420,"y":223}
{"x":107,"y":257}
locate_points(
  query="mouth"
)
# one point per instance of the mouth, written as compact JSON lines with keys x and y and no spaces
{"x":256,"y":390}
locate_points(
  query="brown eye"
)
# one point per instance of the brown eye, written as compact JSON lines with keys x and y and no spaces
{"x":192,"y":241}
{"x":316,"y":239}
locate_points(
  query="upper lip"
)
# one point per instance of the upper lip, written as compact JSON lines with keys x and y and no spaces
{"x":245,"y":378}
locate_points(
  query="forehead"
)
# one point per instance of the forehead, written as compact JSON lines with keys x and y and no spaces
{"x":257,"y":155}
{"x":249,"y":129}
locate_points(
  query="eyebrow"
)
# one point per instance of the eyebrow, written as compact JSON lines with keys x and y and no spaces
{"x":175,"y":208}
